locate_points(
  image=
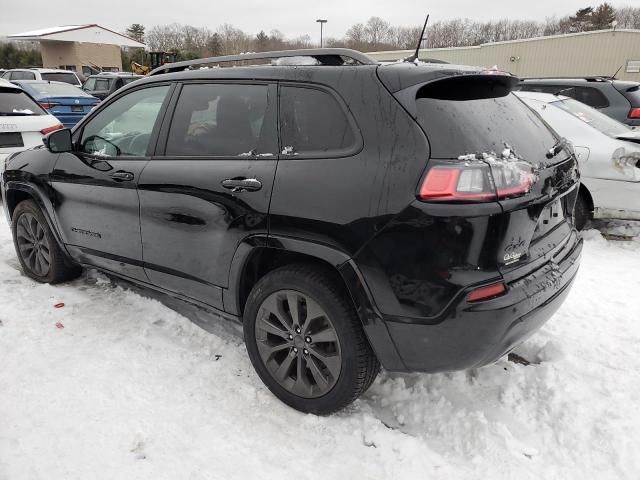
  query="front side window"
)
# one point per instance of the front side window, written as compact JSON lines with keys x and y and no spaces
{"x":313,"y":123}
{"x":222,"y":120}
{"x":123,"y":128}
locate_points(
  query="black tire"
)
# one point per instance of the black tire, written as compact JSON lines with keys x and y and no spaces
{"x":30,"y":227}
{"x":358,"y":364}
{"x":582,"y":213}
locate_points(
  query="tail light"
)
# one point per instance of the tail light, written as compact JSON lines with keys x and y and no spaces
{"x":634,"y":113}
{"x":48,"y":130}
{"x":48,"y":105}
{"x":476,"y":182}
{"x":487,"y":292}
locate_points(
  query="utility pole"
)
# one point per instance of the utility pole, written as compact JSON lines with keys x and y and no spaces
{"x":321,"y":22}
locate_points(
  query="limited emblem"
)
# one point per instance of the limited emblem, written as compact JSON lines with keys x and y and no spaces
{"x":512,"y":257}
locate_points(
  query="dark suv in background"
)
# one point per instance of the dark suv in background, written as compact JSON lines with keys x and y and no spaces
{"x":349,"y":214}
{"x":104,"y":84}
{"x":616,"y":98}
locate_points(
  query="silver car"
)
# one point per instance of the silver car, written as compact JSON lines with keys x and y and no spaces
{"x":608,"y":154}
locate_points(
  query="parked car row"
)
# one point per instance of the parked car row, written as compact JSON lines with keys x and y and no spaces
{"x":433,"y":229}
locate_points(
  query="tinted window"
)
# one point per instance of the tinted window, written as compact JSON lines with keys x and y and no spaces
{"x":591,"y":96}
{"x":313,"y":123}
{"x":16,"y":102}
{"x":124,"y":127}
{"x":61,"y":77}
{"x":526,"y":87}
{"x":484,"y":125}
{"x":23,"y":76}
{"x":222,"y":120}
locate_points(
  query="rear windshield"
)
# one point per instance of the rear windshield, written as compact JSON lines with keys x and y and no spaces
{"x":463,"y":125}
{"x":15,"y":102}
{"x":61,"y":77}
{"x":56,"y":90}
{"x":591,"y":116}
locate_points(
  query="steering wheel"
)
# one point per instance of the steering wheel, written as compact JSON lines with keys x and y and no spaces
{"x":94,"y":137}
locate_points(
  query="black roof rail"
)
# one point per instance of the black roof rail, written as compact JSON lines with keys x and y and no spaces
{"x":326,"y":56}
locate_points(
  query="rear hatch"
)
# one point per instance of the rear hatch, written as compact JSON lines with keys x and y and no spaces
{"x":22,"y":121}
{"x":495,"y":149}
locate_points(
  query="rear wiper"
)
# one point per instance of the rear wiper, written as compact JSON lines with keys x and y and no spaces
{"x":557,"y":148}
{"x":561,"y":92}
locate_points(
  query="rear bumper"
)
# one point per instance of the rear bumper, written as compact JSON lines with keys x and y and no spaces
{"x":472,"y":335}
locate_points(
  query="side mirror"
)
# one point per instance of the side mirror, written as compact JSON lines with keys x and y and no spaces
{"x":59,"y":141}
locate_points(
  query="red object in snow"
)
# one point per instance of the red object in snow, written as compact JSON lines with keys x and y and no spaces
{"x":59,"y":325}
{"x":58,"y":305}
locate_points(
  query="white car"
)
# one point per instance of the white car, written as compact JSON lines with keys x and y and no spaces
{"x":608,"y":154}
{"x":46,"y":74}
{"x":23,"y":122}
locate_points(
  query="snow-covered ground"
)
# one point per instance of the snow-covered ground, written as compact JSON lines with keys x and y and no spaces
{"x":130,"y":389}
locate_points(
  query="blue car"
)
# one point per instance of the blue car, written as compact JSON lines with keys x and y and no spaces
{"x":62,"y":100}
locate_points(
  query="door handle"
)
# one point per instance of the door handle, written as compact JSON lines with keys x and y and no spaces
{"x":121,"y":176}
{"x":242,"y":184}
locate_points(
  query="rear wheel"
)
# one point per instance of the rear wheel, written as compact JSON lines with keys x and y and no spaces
{"x":305,"y":340}
{"x":582,"y":212}
{"x":38,"y":252}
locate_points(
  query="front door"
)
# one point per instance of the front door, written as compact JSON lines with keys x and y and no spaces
{"x":210,"y":187}
{"x":96,"y":201}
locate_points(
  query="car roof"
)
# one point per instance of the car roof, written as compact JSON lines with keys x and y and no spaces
{"x":41,"y":70}
{"x":114,"y":74}
{"x":567,"y":80}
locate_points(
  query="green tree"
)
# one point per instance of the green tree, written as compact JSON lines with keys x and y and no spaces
{"x":602,"y":17}
{"x":581,"y":21}
{"x":136,"y":31}
{"x":262,"y":42}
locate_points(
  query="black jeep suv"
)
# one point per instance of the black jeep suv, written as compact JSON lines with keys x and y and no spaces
{"x":349,"y":214}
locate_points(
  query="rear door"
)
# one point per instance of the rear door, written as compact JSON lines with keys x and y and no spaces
{"x":96,"y":201}
{"x":209,"y":186}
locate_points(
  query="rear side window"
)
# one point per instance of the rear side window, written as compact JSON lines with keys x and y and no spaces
{"x":313,"y":123}
{"x":60,"y":77}
{"x":590,"y":96}
{"x":458,"y":122}
{"x":16,"y":102}
{"x":222,"y":120}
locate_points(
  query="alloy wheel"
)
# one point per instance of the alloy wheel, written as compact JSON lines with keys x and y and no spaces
{"x":33,"y":245}
{"x":298,"y":343}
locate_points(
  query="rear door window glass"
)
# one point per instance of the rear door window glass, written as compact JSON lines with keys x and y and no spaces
{"x":312,"y":122}
{"x":222,"y":120}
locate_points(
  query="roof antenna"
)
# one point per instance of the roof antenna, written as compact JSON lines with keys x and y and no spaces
{"x":613,"y":77}
{"x":414,"y":57}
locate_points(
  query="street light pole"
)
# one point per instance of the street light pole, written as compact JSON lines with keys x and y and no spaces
{"x":321,"y":21}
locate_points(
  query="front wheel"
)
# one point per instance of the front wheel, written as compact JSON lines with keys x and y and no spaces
{"x":38,"y":251}
{"x":305,"y":340}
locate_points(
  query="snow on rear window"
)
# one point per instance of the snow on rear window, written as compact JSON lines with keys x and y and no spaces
{"x":17,"y":102}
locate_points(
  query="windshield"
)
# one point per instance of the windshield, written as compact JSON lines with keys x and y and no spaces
{"x":15,"y":102}
{"x":61,"y":77}
{"x":594,"y":118}
{"x":42,"y":90}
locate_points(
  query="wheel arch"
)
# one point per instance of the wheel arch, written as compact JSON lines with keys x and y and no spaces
{"x":256,"y":257}
{"x":586,"y":194}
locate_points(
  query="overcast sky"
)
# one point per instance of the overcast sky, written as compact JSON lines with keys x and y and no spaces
{"x":291,"y":17}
